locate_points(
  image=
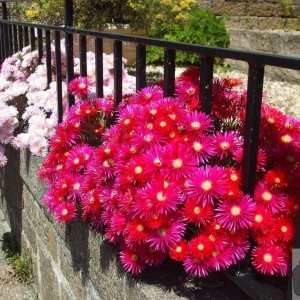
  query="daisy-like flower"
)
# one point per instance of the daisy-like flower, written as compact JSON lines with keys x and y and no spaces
{"x":285,"y":229}
{"x":208,"y":184}
{"x":198,"y":122}
{"x":128,"y":117}
{"x":262,"y":218}
{"x":131,"y":261}
{"x":136,"y":232}
{"x":196,"y":267}
{"x":91,"y":203}
{"x":180,"y":163}
{"x":200,"y":247}
{"x":270,"y":260}
{"x":276,"y":177}
{"x":80,"y":87}
{"x":188,"y":93}
{"x":203,"y":148}
{"x":158,"y":197}
{"x":196,"y":214}
{"x":167,"y":236}
{"x":227,"y":144}
{"x":153,"y":160}
{"x":235,"y":215}
{"x":65,"y":212}
{"x":273,"y":201}
{"x":147,"y":95}
{"x":178,"y":252}
{"x":79,"y":157}
{"x":221,"y":260}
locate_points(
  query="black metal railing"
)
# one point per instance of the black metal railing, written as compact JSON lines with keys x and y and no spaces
{"x":14,"y":35}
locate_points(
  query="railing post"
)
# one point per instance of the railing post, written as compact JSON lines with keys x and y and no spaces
{"x":251,"y":129}
{"x":5,"y":49}
{"x":69,"y":45}
{"x":206,"y":79}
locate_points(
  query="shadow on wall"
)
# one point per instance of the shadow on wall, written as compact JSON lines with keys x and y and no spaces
{"x":11,"y":189}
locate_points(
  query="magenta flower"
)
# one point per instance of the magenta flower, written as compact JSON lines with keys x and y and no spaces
{"x":80,"y":87}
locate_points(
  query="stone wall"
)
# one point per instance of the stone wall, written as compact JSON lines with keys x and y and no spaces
{"x":256,"y":14}
{"x":74,"y":262}
{"x":277,"y":42}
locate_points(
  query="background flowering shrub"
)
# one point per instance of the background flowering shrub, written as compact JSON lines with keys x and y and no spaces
{"x":29,"y":105}
{"x":165,"y":180}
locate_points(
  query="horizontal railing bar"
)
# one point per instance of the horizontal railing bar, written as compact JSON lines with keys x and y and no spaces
{"x":252,"y":57}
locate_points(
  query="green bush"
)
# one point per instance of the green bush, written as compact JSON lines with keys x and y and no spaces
{"x":201,"y":27}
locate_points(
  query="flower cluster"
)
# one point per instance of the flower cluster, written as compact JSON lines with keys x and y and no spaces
{"x":29,"y":105}
{"x":165,"y":179}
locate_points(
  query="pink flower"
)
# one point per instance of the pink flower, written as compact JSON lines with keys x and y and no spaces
{"x":167,"y":236}
{"x":203,"y":148}
{"x":273,"y":201}
{"x":131,"y":261}
{"x":208,"y":184}
{"x":65,"y":212}
{"x":180,"y":163}
{"x":270,"y":260}
{"x":147,"y":95}
{"x":80,"y":87}
{"x":227,"y":144}
{"x":198,"y":122}
{"x":235,"y":215}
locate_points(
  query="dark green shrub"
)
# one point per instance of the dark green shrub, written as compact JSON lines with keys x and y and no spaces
{"x":202,"y":27}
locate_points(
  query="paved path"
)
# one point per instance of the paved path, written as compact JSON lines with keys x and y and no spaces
{"x":11,"y":287}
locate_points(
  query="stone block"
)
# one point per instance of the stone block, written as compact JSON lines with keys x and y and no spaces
{"x":239,"y":38}
{"x":265,"y":41}
{"x":28,"y":230}
{"x":291,"y":43}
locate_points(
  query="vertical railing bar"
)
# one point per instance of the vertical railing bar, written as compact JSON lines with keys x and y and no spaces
{"x":69,"y":46}
{"x":117,"y":45}
{"x":1,"y":44}
{"x":6,"y":40}
{"x":169,"y":72}
{"x":58,"y":76}
{"x":32,"y":38}
{"x":40,"y":44}
{"x":10,"y":37}
{"x":99,"y":66}
{"x":140,"y":66}
{"x":15,"y":32}
{"x":48,"y":57}
{"x":251,"y":127}
{"x":206,"y":79}
{"x":26,"y":36}
{"x":82,"y":49}
{"x":20,"y":28}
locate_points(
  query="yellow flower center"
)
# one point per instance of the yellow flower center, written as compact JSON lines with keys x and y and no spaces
{"x":153,"y":112}
{"x":206,"y":185}
{"x":258,"y":218}
{"x":161,"y":232}
{"x":235,"y":210}
{"x":195,"y":125}
{"x":267,"y":196}
{"x":76,"y":186}
{"x":105,"y":163}
{"x":234,"y":177}
{"x":150,"y":126}
{"x":268,"y":257}
{"x":64,"y":212}
{"x":277,"y":180}
{"x":157,"y":161}
{"x":140,"y":228}
{"x":197,"y":210}
{"x":92,"y":200}
{"x":64,"y":186}
{"x":177,"y":163}
{"x":77,"y":125}
{"x":200,"y":247}
{"x":284,"y":229}
{"x":160,"y":196}
{"x":212,"y":238}
{"x":87,"y":111}
{"x":138,"y":170}
{"x":134,"y":257}
{"x":172,"y":117}
{"x":224,"y":145}
{"x":166,"y":184}
{"x":286,"y":138}
{"x":76,"y":161}
{"x":197,"y":146}
{"x":172,"y":134}
{"x":217,"y":226}
{"x":178,"y":249}
{"x":127,"y":122}
{"x":82,"y":86}
{"x":107,"y":150}
{"x":59,"y":167}
{"x":162,"y":124}
{"x":271,"y":121}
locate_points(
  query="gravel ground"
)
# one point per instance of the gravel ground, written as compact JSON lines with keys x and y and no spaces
{"x":12,"y":286}
{"x":281,"y":94}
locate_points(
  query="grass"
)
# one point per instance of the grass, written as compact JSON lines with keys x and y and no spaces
{"x":21,"y":263}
